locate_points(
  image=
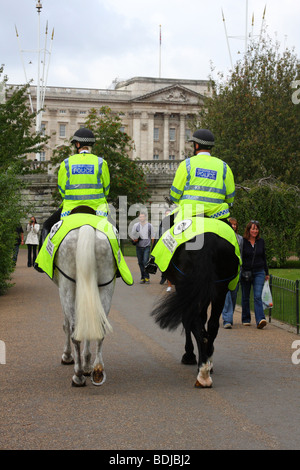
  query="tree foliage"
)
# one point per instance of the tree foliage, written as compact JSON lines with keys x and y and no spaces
{"x":127,"y":177}
{"x":276,"y":206}
{"x":17,"y":139}
{"x":251,"y":113}
{"x":257,"y":130}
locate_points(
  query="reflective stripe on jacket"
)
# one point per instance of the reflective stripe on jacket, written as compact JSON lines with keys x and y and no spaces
{"x":83,"y":179}
{"x":204,"y":181}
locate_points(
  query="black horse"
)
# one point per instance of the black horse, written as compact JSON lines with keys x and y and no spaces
{"x":201,"y":277}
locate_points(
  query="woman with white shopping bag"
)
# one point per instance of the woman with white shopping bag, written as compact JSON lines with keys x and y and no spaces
{"x":254,"y":273}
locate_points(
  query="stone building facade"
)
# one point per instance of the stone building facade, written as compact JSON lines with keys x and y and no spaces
{"x":155,"y":113}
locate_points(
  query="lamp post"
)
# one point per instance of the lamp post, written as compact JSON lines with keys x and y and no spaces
{"x":38,"y":126}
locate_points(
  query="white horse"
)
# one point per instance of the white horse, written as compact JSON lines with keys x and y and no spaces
{"x":85,"y":271}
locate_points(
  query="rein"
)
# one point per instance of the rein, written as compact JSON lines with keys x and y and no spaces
{"x":73,"y":280}
{"x":219,"y":280}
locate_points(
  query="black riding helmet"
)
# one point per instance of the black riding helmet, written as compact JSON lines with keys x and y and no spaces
{"x":84,"y":137}
{"x":203,"y":137}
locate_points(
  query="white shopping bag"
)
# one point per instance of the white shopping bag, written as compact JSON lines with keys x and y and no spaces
{"x":266,"y":296}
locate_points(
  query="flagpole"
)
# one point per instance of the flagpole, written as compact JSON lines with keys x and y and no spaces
{"x":159,"y":71}
{"x":246,"y":29}
{"x":38,"y":93}
{"x":227,"y":39}
{"x":26,"y":81}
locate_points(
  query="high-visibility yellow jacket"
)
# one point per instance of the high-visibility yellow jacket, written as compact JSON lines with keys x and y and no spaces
{"x":83,"y":179}
{"x":203,"y":184}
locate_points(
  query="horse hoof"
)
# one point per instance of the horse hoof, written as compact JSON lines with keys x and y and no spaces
{"x":189,"y":360}
{"x":98,"y":376}
{"x":76,"y":384}
{"x":67,"y":363}
{"x":203,"y":385}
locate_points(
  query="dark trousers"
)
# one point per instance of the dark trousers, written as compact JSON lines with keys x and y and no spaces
{"x":142,"y":254}
{"x":31,"y":250}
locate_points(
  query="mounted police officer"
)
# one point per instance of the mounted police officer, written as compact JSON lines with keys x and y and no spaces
{"x":202,"y":184}
{"x":83,"y":178}
{"x":83,"y":182}
{"x":203,"y":180}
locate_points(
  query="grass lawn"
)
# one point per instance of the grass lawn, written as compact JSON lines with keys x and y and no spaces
{"x":286,"y":273}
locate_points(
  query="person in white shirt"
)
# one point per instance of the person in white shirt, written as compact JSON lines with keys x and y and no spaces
{"x":32,"y":240}
{"x":142,"y":234}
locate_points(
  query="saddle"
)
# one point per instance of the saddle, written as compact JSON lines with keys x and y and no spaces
{"x":83,"y":210}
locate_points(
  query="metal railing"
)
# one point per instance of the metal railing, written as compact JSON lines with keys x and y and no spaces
{"x":285,"y":295}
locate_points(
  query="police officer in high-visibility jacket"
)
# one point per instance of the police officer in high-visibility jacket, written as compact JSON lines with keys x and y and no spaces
{"x":83,"y":178}
{"x":203,"y":183}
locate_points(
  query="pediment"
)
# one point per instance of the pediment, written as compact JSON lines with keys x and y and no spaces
{"x":171,"y":94}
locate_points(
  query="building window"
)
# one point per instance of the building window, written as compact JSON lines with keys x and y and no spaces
{"x":62,"y":130}
{"x":43,"y":156}
{"x":62,"y":111}
{"x":82,"y":112}
{"x":122,"y":129}
{"x":156,"y":134}
{"x":188,"y":134}
{"x":171,"y":157}
{"x":172,"y":134}
{"x":155,"y":157}
{"x":43,"y":129}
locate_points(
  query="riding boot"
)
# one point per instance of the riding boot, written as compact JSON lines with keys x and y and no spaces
{"x":43,"y":237}
{"x":48,"y":224}
{"x":166,"y":223}
{"x":151,"y":266}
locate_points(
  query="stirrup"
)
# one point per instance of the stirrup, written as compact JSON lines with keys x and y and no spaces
{"x":150,"y":266}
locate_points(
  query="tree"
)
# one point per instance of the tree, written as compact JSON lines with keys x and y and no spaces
{"x":127,"y":177}
{"x":253,"y":117}
{"x":276,"y":206}
{"x":16,"y":141}
{"x":17,"y":138}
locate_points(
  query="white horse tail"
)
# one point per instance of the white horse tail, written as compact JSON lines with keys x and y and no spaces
{"x":91,"y":322}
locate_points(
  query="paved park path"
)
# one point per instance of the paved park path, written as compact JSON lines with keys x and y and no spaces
{"x":148,"y":401}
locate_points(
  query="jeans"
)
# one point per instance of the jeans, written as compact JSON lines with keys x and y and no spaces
{"x":143,"y":256}
{"x":15,"y":253}
{"x":258,"y":284}
{"x":229,"y":306}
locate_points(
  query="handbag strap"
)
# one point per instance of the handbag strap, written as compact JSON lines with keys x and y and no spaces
{"x":253,"y":255}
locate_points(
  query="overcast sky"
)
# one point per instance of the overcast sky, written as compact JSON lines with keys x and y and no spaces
{"x":97,"y":41}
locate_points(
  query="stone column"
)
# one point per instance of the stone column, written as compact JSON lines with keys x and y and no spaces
{"x":182,"y":137}
{"x":136,"y":133}
{"x":166,"y":135}
{"x":150,"y":135}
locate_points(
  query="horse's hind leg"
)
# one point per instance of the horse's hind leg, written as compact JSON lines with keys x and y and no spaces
{"x":86,"y":355}
{"x":214,"y":321}
{"x":98,"y":375}
{"x":67,"y":357}
{"x":189,"y":357}
{"x":78,"y":379}
{"x":204,"y":366}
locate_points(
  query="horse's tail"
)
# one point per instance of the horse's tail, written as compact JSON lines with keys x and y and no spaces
{"x":194,"y":291}
{"x":91,"y":322}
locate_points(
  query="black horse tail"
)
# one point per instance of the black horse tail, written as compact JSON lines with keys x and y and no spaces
{"x":195,"y":274}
